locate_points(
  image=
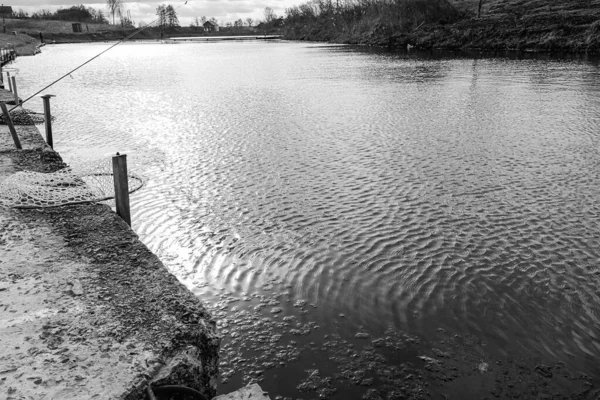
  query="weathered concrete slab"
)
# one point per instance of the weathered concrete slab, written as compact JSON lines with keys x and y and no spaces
{"x":6,"y":96}
{"x":86,"y":310}
{"x":29,"y":136}
{"x":250,"y":392}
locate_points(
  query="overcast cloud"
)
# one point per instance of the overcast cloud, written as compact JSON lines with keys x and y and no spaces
{"x":223,"y":10}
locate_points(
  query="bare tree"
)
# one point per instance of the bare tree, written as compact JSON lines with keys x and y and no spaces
{"x":249,"y":21}
{"x":126,"y":19}
{"x":167,"y":16}
{"x":115,"y":7}
{"x":99,"y":18}
{"x":172,"y":19}
{"x":161,"y":12}
{"x":20,"y":14}
{"x":269,"y":15}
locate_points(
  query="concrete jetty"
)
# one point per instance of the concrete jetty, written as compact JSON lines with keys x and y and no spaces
{"x":86,"y":310}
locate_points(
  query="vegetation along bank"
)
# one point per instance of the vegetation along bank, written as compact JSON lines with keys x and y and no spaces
{"x":536,"y":25}
{"x":530,"y":25}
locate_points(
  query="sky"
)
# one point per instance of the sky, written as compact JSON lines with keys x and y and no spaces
{"x":145,"y":11}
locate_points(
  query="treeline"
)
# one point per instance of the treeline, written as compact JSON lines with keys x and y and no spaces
{"x":167,"y":16}
{"x":75,"y":13}
{"x":346,"y":20}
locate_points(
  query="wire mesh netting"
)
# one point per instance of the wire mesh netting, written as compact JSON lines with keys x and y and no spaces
{"x":92,"y":181}
{"x":22,"y":116}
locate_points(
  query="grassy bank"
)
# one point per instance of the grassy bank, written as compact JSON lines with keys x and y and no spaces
{"x":34,"y":26}
{"x":150,"y":33}
{"x":28,"y":33}
{"x":543,"y":25}
{"x":24,"y":45}
{"x":24,"y":34}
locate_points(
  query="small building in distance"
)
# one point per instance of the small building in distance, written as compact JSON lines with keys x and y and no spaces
{"x":210,"y":26}
{"x":6,"y":11}
{"x":76,"y":26}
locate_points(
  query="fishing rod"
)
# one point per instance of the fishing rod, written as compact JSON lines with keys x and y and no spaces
{"x":90,"y":60}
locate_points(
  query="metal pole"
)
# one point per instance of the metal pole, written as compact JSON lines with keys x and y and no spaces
{"x":14,"y":86}
{"x":119,"y":163}
{"x":48,"y":119}
{"x":11,"y":127}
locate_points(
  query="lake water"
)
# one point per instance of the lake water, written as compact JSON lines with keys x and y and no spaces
{"x":309,"y":193}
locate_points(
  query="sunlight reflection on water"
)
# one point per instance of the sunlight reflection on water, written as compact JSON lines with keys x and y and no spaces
{"x":388,"y":191}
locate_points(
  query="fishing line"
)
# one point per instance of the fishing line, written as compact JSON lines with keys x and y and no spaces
{"x":90,"y":60}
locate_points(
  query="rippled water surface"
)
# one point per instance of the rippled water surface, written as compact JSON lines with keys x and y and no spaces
{"x":307,"y":192}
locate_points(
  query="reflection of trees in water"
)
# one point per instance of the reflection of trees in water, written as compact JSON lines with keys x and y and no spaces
{"x":402,"y":67}
{"x":577,"y":75}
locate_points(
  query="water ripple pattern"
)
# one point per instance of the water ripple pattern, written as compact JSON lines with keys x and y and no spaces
{"x":399,"y":191}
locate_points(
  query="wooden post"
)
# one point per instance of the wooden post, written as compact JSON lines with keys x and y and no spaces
{"x":11,"y":127}
{"x":8,"y":79}
{"x":48,"y":119}
{"x":14,"y":86}
{"x":119,"y":163}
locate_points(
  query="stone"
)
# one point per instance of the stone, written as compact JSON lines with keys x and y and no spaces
{"x":543,"y":370}
{"x":483,"y":367}
{"x":250,"y":392}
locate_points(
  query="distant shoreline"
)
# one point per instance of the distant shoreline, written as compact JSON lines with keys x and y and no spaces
{"x":557,"y":29}
{"x":491,"y":34}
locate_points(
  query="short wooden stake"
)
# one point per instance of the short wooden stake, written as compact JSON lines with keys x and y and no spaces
{"x":9,"y":83}
{"x":11,"y":127}
{"x":14,"y":87}
{"x":48,"y":119}
{"x":119,"y":163}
